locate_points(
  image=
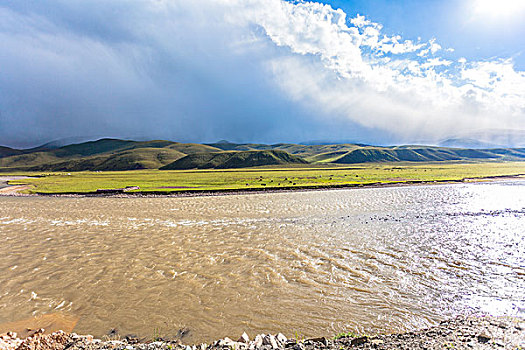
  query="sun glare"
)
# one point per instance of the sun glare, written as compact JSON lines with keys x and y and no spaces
{"x":499,"y":8}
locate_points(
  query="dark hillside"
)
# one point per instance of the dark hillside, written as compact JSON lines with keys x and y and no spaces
{"x":415,"y":154}
{"x":26,"y":160}
{"x":107,"y":145}
{"x":190,"y":148}
{"x":78,"y":154}
{"x":6,"y":151}
{"x":228,"y":160}
{"x":141,"y":158}
{"x":512,"y":152}
{"x":363,"y":155}
{"x":92,"y":147}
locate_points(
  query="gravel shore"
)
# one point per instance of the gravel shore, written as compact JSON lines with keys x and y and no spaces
{"x":460,"y":333}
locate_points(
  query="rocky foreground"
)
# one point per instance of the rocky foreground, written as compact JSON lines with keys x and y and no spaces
{"x":460,"y":333}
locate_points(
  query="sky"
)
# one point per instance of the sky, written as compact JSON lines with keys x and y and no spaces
{"x":369,"y":71}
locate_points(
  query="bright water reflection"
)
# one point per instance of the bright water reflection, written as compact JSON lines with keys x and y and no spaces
{"x":369,"y":260}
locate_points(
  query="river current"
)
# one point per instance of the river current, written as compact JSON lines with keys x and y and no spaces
{"x":309,"y":263}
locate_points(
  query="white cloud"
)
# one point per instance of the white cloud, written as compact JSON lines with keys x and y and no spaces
{"x":436,"y":62}
{"x":409,"y":95}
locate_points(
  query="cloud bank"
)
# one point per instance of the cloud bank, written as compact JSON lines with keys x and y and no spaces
{"x":244,"y":70}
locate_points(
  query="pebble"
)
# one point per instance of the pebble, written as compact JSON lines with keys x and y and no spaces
{"x":359,"y":341}
{"x":483,"y":337}
{"x":377,"y":341}
{"x":298,"y":346}
{"x":318,"y":340}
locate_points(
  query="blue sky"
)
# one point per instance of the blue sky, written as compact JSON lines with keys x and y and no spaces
{"x":380,"y":72}
{"x":473,"y":32}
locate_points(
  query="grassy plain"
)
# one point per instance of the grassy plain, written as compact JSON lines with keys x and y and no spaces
{"x":264,"y":178}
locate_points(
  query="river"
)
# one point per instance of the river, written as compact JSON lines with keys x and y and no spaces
{"x":307,"y":263}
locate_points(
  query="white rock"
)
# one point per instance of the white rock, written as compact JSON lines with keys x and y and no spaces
{"x":230,"y":343}
{"x":259,"y":340}
{"x":244,"y":338}
{"x":281,"y":338}
{"x":270,"y":340}
{"x":116,"y":342}
{"x":227,"y":341}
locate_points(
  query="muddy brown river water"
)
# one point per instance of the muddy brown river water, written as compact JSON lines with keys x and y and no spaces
{"x":312,"y":263}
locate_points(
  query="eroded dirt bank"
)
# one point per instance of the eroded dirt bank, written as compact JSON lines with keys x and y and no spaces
{"x":460,"y":333}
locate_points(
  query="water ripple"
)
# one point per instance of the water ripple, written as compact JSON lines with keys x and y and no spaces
{"x":368,"y":260}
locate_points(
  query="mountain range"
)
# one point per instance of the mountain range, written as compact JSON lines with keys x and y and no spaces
{"x":116,"y":154}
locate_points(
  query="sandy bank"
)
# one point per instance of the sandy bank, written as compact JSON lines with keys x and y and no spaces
{"x":460,"y":333}
{"x":11,"y":190}
{"x":14,"y":190}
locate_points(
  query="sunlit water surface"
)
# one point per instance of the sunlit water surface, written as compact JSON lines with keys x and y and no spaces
{"x":312,"y":263}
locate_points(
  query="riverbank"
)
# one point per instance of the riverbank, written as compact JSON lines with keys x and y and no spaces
{"x":20,"y":190}
{"x":214,"y":181}
{"x":461,"y":333}
{"x":12,"y":190}
{"x":4,"y":180}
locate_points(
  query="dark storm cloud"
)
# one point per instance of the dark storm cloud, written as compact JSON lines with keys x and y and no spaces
{"x":139,"y":69}
{"x":250,"y":70}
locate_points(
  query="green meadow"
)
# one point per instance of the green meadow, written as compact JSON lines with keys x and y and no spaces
{"x":306,"y":176}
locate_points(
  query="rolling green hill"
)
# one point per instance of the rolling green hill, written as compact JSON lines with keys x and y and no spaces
{"x":303,"y":151}
{"x":191,"y":148}
{"x":140,"y":158}
{"x":103,"y":154}
{"x":316,"y":152}
{"x":416,"y":154}
{"x":354,"y":153}
{"x":26,"y":160}
{"x":115,"y":154}
{"x":91,"y":148}
{"x":236,"y":159}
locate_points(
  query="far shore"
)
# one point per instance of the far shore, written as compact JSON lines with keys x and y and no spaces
{"x":17,"y":190}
